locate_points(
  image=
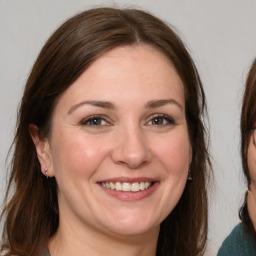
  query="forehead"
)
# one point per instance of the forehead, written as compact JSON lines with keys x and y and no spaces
{"x":146,"y":58}
{"x":128,"y":72}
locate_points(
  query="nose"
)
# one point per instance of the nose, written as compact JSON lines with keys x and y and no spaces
{"x":131,"y":148}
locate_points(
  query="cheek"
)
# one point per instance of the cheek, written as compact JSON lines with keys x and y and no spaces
{"x":174,"y":153}
{"x":77,"y":155}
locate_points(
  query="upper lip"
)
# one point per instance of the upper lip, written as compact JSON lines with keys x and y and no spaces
{"x":128,"y":179}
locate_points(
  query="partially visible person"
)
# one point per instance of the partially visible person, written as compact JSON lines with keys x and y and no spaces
{"x":242,"y":240}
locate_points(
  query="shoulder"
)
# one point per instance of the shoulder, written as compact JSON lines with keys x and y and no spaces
{"x":237,"y":243}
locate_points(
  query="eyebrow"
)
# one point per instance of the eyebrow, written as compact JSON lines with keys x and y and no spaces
{"x":109,"y":105}
{"x":101,"y":104}
{"x":160,"y":103}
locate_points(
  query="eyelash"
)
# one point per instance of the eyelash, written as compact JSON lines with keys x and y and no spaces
{"x":96,"y":118}
{"x":166,"y":120}
{"x":96,"y":121}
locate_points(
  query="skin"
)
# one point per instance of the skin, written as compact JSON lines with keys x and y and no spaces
{"x":251,"y":198}
{"x":140,"y":133}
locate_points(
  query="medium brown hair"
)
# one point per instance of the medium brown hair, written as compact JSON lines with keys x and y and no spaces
{"x":31,"y":214}
{"x":247,"y":126}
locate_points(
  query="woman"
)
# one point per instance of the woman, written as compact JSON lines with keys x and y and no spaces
{"x":242,"y":240}
{"x":110,"y":145}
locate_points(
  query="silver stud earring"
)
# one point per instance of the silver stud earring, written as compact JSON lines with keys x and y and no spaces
{"x":45,"y":171}
{"x":189,"y":175}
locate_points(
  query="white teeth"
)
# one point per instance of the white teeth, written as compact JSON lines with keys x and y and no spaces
{"x":112,"y":185}
{"x":126,"y":186}
{"x":135,"y":187}
{"x":118,"y":186}
{"x":142,"y":185}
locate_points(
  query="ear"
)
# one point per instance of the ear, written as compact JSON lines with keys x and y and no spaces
{"x":43,"y":151}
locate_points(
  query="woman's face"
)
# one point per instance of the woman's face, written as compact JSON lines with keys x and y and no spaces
{"x":119,"y":146}
{"x":251,"y":197}
{"x":251,"y":158}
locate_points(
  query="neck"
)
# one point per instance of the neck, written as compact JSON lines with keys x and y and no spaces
{"x":70,"y":240}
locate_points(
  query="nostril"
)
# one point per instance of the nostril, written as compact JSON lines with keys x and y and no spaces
{"x":131,"y":148}
{"x":131,"y":158}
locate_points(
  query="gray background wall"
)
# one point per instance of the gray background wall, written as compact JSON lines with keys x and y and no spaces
{"x":221,"y":37}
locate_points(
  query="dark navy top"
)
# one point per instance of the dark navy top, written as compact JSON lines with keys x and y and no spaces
{"x":238,"y":243}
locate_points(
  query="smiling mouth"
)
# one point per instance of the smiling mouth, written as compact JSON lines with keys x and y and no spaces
{"x":127,"y":186}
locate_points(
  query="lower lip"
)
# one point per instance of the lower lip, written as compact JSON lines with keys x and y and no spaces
{"x":131,"y":196}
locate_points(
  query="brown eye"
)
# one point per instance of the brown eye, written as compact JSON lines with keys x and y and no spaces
{"x":94,"y":121}
{"x":158,"y":121}
{"x":161,"y":120}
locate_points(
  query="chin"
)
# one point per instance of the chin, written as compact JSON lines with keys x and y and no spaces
{"x":135,"y":231}
{"x":133,"y":227}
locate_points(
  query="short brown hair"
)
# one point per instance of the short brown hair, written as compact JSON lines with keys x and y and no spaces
{"x":32,"y":211}
{"x":247,"y":126}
